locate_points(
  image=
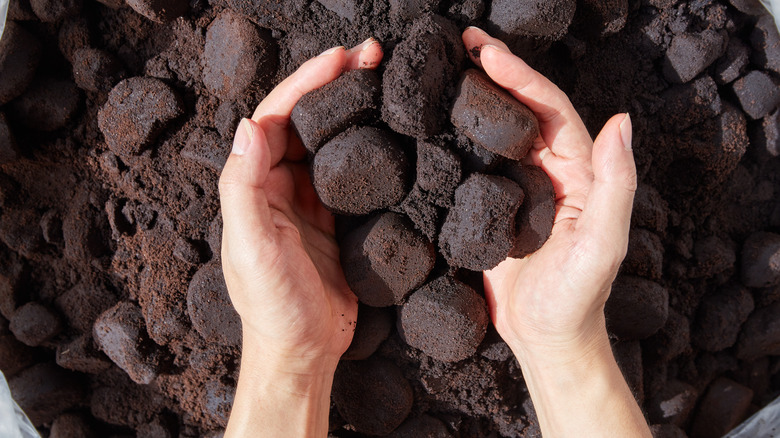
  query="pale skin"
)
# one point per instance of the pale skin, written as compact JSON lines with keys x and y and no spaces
{"x":281,"y":266}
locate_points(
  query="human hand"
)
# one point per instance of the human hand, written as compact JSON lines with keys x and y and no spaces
{"x":553,"y":300}
{"x":279,"y":256}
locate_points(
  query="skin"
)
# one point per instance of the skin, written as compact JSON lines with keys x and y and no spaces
{"x":281,"y":266}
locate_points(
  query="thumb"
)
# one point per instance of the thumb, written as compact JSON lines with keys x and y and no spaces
{"x":606,"y":216}
{"x":241,"y":190}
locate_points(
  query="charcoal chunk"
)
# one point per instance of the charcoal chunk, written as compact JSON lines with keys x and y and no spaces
{"x":372,"y":395}
{"x":673,"y":404}
{"x":492,"y":118}
{"x":420,"y":208}
{"x":52,"y":11}
{"x":20,"y":53}
{"x":346,"y":9}
{"x":159,"y":11}
{"x":83,"y":303}
{"x":534,"y":18}
{"x":210,"y":308}
{"x":536,"y":215}
{"x":416,"y":77}
{"x":14,"y":356}
{"x":446,"y":319}
{"x":650,"y":209}
{"x":361,"y":171}
{"x":207,"y":148}
{"x":47,"y":105}
{"x":321,"y":114}
{"x":690,"y":104}
{"x":372,"y":328}
{"x":733,"y":63}
{"x":121,"y":334}
{"x":758,"y":94}
{"x":82,"y":355}
{"x":45,"y":390}
{"x":722,"y":408}
{"x":9,"y":151}
{"x":761,"y":260}
{"x":478,"y":232}
{"x":409,"y":10}
{"x":636,"y":307}
{"x":766,"y":44}
{"x":237,"y":56}
{"x":95,"y":70}
{"x":34,"y":324}
{"x":438,"y":172}
{"x":760,"y":335}
{"x":137,"y":111}
{"x":690,"y":53}
{"x":645,"y":255}
{"x":767,"y":135}
{"x":385,"y":259}
{"x":70,"y":425}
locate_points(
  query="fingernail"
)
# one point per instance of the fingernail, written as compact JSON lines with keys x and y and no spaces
{"x":244,"y":135}
{"x":478,"y":30}
{"x":625,"y":132}
{"x":499,"y":49}
{"x":363,"y":46}
{"x":331,"y":51}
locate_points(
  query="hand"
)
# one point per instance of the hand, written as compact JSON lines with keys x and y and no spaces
{"x":555,"y":298}
{"x":549,"y":306}
{"x":281,"y":263}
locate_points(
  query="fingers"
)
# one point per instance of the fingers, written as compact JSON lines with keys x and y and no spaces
{"x":561,"y":126}
{"x":607,"y":214}
{"x":367,"y":54}
{"x":273,"y":113}
{"x":241,"y":193}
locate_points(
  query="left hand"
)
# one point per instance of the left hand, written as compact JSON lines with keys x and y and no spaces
{"x":279,"y":255}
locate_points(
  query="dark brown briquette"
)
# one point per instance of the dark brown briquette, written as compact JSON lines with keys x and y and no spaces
{"x":417,"y":76}
{"x":159,"y":11}
{"x":137,"y":111}
{"x":116,"y":400}
{"x":372,"y":395}
{"x":14,"y":356}
{"x":360,"y":171}
{"x":690,"y":53}
{"x":479,"y":232}
{"x":70,"y":425}
{"x":45,"y":390}
{"x":207,"y":148}
{"x":645,"y":255}
{"x":600,"y":18}
{"x":733,"y":63}
{"x":446,"y":319}
{"x":52,"y":11}
{"x":237,"y":56}
{"x":758,"y":94}
{"x":34,"y":324}
{"x":47,"y":105}
{"x":423,"y":426}
{"x":82,"y":355}
{"x":95,"y":70}
{"x":438,"y":172}
{"x":12,"y":273}
{"x":760,"y":334}
{"x":321,"y":114}
{"x":410,"y":10}
{"x":671,"y":340}
{"x":20,"y":53}
{"x":673,"y":404}
{"x":767,"y":135}
{"x":752,"y":7}
{"x":690,"y":104}
{"x":265,"y":13}
{"x":492,"y":118}
{"x":74,"y":34}
{"x":9,"y":151}
{"x":650,"y":209}
{"x":83,"y":303}
{"x":765,"y":40}
{"x":121,"y":334}
{"x":425,"y":215}
{"x":385,"y":259}
{"x":636,"y":307}
{"x":347,"y":9}
{"x":535,"y":217}
{"x":761,"y":260}
{"x":210,"y":309}
{"x":713,"y":256}
{"x":373,"y":326}
{"x":547,"y":19}
{"x":722,"y":408}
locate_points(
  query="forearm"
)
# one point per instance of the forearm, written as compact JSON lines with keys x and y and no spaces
{"x":580,"y":391}
{"x":280,"y":400}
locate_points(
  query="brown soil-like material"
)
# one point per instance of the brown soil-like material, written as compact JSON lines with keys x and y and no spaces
{"x":114,"y":127}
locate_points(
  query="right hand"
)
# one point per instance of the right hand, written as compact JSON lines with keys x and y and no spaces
{"x":553,"y":300}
